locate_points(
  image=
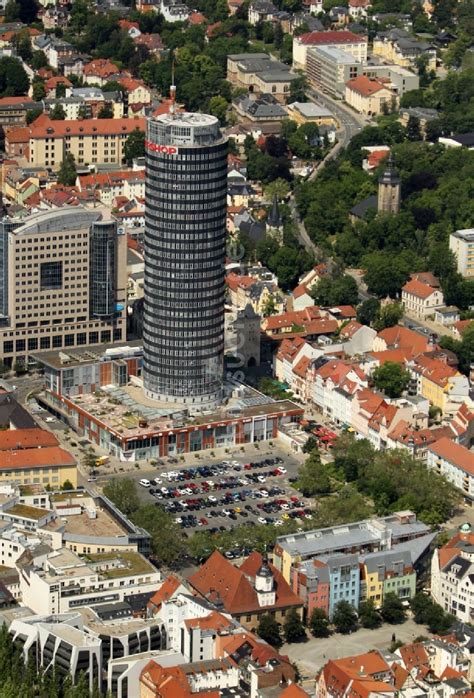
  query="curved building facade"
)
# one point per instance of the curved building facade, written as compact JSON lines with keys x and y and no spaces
{"x":183,"y":330}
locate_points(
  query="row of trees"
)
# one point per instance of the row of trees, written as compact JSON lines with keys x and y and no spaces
{"x":346,"y":619}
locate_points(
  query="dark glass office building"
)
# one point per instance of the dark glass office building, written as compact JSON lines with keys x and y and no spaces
{"x":103,"y":269}
{"x":183,"y":331}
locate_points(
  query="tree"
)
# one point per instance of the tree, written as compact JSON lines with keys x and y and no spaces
{"x":352,"y":455}
{"x":369,"y":617}
{"x":391,"y":378}
{"x":106,"y":112}
{"x":67,"y":485}
{"x":389,"y":315}
{"x":392,"y":610}
{"x":39,"y":91}
{"x":23,"y":46}
{"x":39,"y":60}
{"x":313,"y":477}
{"x":13,"y":78}
{"x":123,"y":493}
{"x":344,"y":617}
{"x":218,"y":107}
{"x":57,"y":113}
{"x":429,"y":613}
{"x":385,"y":274}
{"x":269,"y":307}
{"x":12,"y":11}
{"x":269,"y":630}
{"x":167,"y":542}
{"x":413,"y":129}
{"x":319,"y":623}
{"x":134,"y":145}
{"x":279,"y":187}
{"x":293,"y":628}
{"x":67,"y":172}
{"x":60,"y":90}
{"x":338,"y":290}
{"x":32,"y":115}
{"x":368,"y":311}
{"x":89,"y":460}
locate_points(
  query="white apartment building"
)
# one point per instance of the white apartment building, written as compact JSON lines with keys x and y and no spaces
{"x":452,"y":572}
{"x":421,"y":300}
{"x":343,"y":40}
{"x":461,"y":244}
{"x":62,"y":581}
{"x":455,"y":463}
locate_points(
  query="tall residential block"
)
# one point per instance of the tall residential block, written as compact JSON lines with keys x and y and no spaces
{"x":63,"y":282}
{"x":185,"y":231}
{"x":461,"y":244}
{"x":389,"y":194}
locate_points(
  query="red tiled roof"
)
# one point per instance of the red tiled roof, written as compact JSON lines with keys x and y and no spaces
{"x":53,"y":82}
{"x":426,"y":277}
{"x":330,"y":37}
{"x":350,"y":329}
{"x":196,"y":18}
{"x":454,"y":453}
{"x":231,"y":584}
{"x":414,"y":655}
{"x":14,"y":439}
{"x":165,"y":592}
{"x":235,"y":281}
{"x":101,"y":67}
{"x":214,"y":621}
{"x":152,"y":41}
{"x":11,"y":101}
{"x":299,"y":291}
{"x":297,"y":317}
{"x":398,"y":356}
{"x":302,"y":366}
{"x":399,"y":336}
{"x":365,"y":86}
{"x":44,"y":127}
{"x":376,"y":156}
{"x":35,"y":458}
{"x":418,"y":289}
{"x":289,"y":348}
{"x":462,"y":325}
{"x":293,"y":691}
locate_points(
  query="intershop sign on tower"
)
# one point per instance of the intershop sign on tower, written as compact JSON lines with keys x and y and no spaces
{"x":165,"y":149}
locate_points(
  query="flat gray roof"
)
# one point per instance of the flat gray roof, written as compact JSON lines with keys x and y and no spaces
{"x":358,"y":534}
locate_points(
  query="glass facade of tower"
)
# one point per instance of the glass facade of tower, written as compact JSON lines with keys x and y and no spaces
{"x":103,"y":268}
{"x":186,"y":187}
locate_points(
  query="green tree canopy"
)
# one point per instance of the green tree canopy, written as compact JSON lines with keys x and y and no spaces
{"x":369,"y":617}
{"x":67,"y":172}
{"x":293,"y":628}
{"x":13,"y":78}
{"x":134,"y":145}
{"x":344,"y":617}
{"x":123,"y":493}
{"x":269,"y":630}
{"x":319,"y":623}
{"x":391,"y":378}
{"x":339,"y":290}
{"x":313,"y":477}
{"x":392,"y":610}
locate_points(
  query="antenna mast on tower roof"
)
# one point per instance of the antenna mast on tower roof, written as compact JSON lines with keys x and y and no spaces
{"x":172,"y":92}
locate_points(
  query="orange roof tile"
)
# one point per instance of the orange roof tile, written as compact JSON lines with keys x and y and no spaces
{"x":454,"y":453}
{"x":302,"y":366}
{"x":414,"y":655}
{"x":399,"y":336}
{"x":321,"y":38}
{"x":232,"y":586}
{"x":418,"y":289}
{"x":14,"y":439}
{"x":365,"y":86}
{"x":44,"y":127}
{"x":289,"y":348}
{"x":165,"y":592}
{"x":293,"y":691}
{"x":299,"y":291}
{"x":214,"y":621}
{"x":462,"y":325}
{"x":350,"y":329}
{"x":35,"y":458}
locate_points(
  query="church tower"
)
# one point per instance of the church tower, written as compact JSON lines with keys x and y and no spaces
{"x":389,"y":189}
{"x":274,"y":222}
{"x":265,"y":585}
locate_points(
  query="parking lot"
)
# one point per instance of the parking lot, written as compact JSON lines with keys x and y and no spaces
{"x":220,"y":495}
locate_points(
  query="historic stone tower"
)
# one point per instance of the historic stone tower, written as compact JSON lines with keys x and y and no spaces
{"x":389,"y":189}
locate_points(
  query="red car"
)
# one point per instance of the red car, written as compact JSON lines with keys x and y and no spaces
{"x":203,"y":521}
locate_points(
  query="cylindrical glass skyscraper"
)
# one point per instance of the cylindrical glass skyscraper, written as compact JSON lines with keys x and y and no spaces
{"x":185,"y":230}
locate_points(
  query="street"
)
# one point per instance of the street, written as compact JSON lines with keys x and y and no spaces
{"x":349,"y":125}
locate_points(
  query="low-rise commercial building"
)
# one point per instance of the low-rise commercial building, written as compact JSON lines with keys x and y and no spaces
{"x":371,"y":535}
